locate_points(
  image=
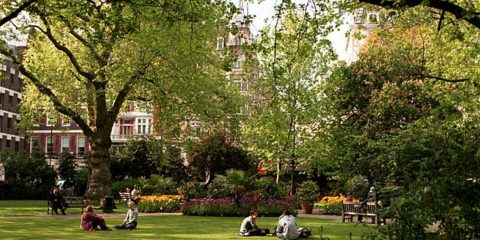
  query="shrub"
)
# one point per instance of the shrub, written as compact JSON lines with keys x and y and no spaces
{"x":157,"y":185}
{"x":119,"y":186}
{"x":269,"y":189}
{"x":227,"y":207}
{"x":80,"y":181}
{"x":162,"y":203}
{"x":191,"y":190}
{"x":26,"y":177}
{"x":308,"y":192}
{"x":333,"y":204}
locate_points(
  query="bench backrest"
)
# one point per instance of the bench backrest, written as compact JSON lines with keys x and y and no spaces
{"x":370,"y":207}
{"x":351,"y":207}
{"x":124,"y":195}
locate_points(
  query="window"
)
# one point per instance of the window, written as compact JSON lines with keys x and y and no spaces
{"x":358,"y":19}
{"x":65,"y":144}
{"x":237,"y":41}
{"x":373,"y":18}
{"x":80,"y":146}
{"x":143,"y":126}
{"x":34,"y":144}
{"x":50,"y":120}
{"x":65,"y":121}
{"x":220,"y":43}
{"x":238,"y":64}
{"x":49,"y":146}
{"x":9,"y":123}
{"x":244,"y":87}
{"x":8,"y":143}
{"x":127,"y":127}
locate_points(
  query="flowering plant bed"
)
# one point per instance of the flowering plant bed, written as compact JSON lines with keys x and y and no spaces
{"x":332,"y":205}
{"x":227,"y":207}
{"x":161,"y":203}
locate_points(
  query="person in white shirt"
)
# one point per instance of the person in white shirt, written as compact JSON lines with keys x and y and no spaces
{"x":134,"y":195}
{"x":249,"y":226}
{"x":287,"y":227}
{"x":130,"y":221}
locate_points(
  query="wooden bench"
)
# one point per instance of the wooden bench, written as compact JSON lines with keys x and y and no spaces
{"x":369,"y":210}
{"x":73,"y":202}
{"x":124,"y":197}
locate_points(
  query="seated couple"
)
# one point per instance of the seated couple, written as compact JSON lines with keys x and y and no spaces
{"x":93,"y":222}
{"x":285,"y":229}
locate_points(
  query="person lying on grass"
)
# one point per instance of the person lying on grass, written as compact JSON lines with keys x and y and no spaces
{"x":130,"y":221}
{"x":249,"y":226}
{"x":91,"y":221}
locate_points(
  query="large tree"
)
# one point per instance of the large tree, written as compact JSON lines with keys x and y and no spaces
{"x":294,"y":56}
{"x":86,"y":58}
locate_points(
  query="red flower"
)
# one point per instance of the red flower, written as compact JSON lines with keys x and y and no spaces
{"x":261,"y":170}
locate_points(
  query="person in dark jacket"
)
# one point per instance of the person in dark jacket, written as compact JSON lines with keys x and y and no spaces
{"x":57,"y":201}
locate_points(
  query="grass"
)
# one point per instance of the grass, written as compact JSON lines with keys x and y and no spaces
{"x":38,"y":207}
{"x":16,"y":226}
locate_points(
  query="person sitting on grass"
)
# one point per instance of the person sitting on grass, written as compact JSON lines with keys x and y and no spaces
{"x":249,"y":226}
{"x":130,"y":221}
{"x":287,"y":227}
{"x":91,"y":221}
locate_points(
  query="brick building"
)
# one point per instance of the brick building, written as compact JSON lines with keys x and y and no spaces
{"x":11,"y":87}
{"x":54,"y":135}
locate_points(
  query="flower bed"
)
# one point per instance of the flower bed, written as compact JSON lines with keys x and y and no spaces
{"x":162,"y":203}
{"x":226,"y":207}
{"x":333,"y":204}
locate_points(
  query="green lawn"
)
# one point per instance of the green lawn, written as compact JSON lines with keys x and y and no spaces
{"x":150,"y":227}
{"x":38,"y":207}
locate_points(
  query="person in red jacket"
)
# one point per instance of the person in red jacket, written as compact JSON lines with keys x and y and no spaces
{"x":91,"y":221}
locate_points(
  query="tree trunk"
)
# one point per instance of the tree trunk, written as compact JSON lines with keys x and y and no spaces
{"x":99,"y":182}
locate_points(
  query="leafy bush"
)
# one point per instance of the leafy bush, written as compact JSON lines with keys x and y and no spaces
{"x":156,"y":185}
{"x":80,"y":181}
{"x":162,"y":203}
{"x":308,"y":192}
{"x":66,"y":168}
{"x":333,"y":209}
{"x":26,"y":177}
{"x":227,"y":207}
{"x":216,"y":154}
{"x":121,"y":185}
{"x":358,"y":186}
{"x":191,"y":190}
{"x":269,"y":189}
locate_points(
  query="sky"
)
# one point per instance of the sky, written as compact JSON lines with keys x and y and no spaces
{"x":266,"y":10}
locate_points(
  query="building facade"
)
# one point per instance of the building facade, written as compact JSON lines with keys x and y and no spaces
{"x":11,"y":88}
{"x":362,"y":23}
{"x":54,"y":135}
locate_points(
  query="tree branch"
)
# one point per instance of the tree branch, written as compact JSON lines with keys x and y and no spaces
{"x":17,"y":11}
{"x":48,"y":92}
{"x":56,"y":43}
{"x":444,"y":79}
{"x":458,"y":11}
{"x":84,"y":41}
